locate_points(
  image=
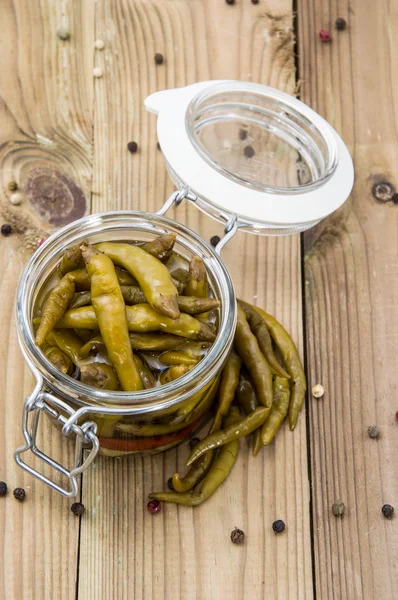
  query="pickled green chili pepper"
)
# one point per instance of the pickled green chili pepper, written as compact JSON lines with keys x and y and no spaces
{"x":260,"y":330}
{"x":134,"y":295}
{"x":95,"y":344}
{"x":80,"y":299}
{"x":141,"y":318}
{"x":55,"y":307}
{"x":292,"y":361}
{"x":82,"y":279}
{"x":84,"y":335}
{"x":69,"y":343}
{"x":173,"y":357}
{"x":248,"y":349}
{"x":247,"y":399}
{"x":173,"y":373}
{"x":152,"y":276}
{"x":99,"y":375}
{"x":226,"y":392}
{"x":201,"y":466}
{"x":219,"y":471}
{"x":124,"y":277}
{"x":62,"y":362}
{"x":239,"y":429}
{"x":148,"y":379}
{"x":279,"y":410}
{"x":154,"y":342}
{"x":161,"y":247}
{"x":71,"y":260}
{"x":197,"y":279}
{"x":110,"y":312}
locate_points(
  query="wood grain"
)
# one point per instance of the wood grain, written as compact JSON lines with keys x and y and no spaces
{"x":45,"y":112}
{"x":184,"y":554}
{"x":351,"y":303}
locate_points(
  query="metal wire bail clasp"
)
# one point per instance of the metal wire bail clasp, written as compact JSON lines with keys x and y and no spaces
{"x":41,"y":401}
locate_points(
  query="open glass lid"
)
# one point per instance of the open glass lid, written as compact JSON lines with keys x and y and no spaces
{"x":250,"y":150}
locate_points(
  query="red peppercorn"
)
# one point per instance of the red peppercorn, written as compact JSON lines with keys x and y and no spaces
{"x":324,"y":35}
{"x":41,"y":242}
{"x":154,"y":506}
{"x":396,"y":415}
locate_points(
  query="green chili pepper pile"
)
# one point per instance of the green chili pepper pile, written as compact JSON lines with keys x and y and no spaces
{"x":126,"y":317}
{"x":256,"y":381}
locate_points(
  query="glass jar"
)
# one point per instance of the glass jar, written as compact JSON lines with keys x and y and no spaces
{"x":247,"y":155}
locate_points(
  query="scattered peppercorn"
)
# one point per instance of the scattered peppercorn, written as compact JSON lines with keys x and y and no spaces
{"x":158,"y":146}
{"x":99,"y":44}
{"x":3,"y":488}
{"x":395,"y":198}
{"x":341,"y":24}
{"x":230,"y":1}
{"x":6,"y":229}
{"x":214,"y":240}
{"x":396,"y":415}
{"x":98,"y":72}
{"x":373,"y":431}
{"x":242,"y":134}
{"x":78,"y":509}
{"x":388,"y":511}
{"x":19,"y":494}
{"x":63,"y":34}
{"x":170,"y":483}
{"x":325,"y":36}
{"x":159,"y":58}
{"x":255,"y":1}
{"x":41,"y":242}
{"x":249,"y":152}
{"x":194,"y":442}
{"x":383,"y":191}
{"x":12,"y":185}
{"x":154,"y":506}
{"x":132,"y":147}
{"x":318,"y":390}
{"x":338,"y":508}
{"x":278,"y":526}
{"x":237,"y":536}
{"x":16,"y":198}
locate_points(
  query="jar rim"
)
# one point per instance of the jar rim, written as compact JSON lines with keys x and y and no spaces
{"x":116,"y":221}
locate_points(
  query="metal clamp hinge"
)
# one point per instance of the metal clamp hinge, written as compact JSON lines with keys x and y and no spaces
{"x":42,"y":401}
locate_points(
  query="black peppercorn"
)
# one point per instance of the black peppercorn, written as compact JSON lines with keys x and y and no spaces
{"x":3,"y":488}
{"x":255,"y":1}
{"x":242,"y":134}
{"x":395,"y":198}
{"x":159,"y":58}
{"x":230,"y":1}
{"x":373,"y":431}
{"x":341,"y":24}
{"x":214,"y":240}
{"x":194,"y":442}
{"x":388,"y":511}
{"x":278,"y":526}
{"x":248,"y":152}
{"x":132,"y":147}
{"x":237,"y":536}
{"x":19,"y":494}
{"x":158,"y":146}
{"x":6,"y":229}
{"x":77,"y":508}
{"x":170,"y":484}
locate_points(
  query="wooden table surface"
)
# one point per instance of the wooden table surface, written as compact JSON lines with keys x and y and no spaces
{"x":63,"y":138}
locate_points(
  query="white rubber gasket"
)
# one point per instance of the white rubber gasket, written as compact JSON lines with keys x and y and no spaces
{"x":219,"y":192}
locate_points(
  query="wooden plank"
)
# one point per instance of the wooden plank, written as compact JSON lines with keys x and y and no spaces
{"x":45,"y":112}
{"x":183,"y":553}
{"x":351,"y":303}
